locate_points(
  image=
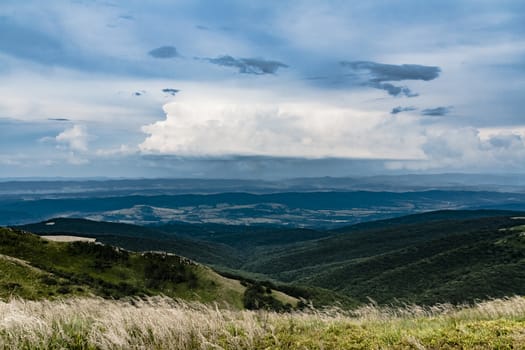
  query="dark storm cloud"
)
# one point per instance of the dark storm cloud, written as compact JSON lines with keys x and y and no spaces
{"x":400,"y":109}
{"x":170,"y":91}
{"x":164,"y":52}
{"x":377,"y":75}
{"x":257,"y":66}
{"x":436,"y":112}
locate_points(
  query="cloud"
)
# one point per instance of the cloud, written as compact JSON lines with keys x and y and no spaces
{"x":257,"y":66}
{"x":59,"y":119}
{"x":377,"y":75}
{"x":205,"y":127}
{"x":379,"y":72}
{"x":394,"y":90}
{"x":465,"y":149}
{"x":505,"y":140}
{"x":164,"y":52}
{"x":75,"y":138}
{"x":170,"y":91}
{"x":436,"y":112}
{"x":400,"y":109}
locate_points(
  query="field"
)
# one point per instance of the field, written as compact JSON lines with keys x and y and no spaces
{"x":162,"y":323}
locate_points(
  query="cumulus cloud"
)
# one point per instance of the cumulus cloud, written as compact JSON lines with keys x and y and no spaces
{"x":377,"y":75}
{"x":436,"y":112}
{"x":400,"y":109}
{"x":75,"y":138}
{"x":204,"y":128}
{"x":223,"y":128}
{"x":257,"y":66}
{"x":164,"y":52}
{"x":465,"y":148}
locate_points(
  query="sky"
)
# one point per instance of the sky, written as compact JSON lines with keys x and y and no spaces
{"x":261,"y":89}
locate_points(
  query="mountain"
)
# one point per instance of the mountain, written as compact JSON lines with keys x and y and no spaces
{"x":34,"y":267}
{"x":35,"y":188}
{"x":442,"y":256}
{"x":139,"y":238}
{"x":450,"y":260}
{"x":315,"y":210}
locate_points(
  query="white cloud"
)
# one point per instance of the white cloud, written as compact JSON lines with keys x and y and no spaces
{"x":122,"y":150}
{"x":219,"y":126}
{"x":468,"y":149}
{"x":214,"y":125}
{"x":75,"y":138}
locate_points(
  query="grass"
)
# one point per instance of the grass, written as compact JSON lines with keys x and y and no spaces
{"x":35,"y":268}
{"x":162,"y":323}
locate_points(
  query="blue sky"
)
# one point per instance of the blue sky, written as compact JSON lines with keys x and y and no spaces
{"x":261,"y":89}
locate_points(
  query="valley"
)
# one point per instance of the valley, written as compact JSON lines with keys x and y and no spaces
{"x":470,"y":255}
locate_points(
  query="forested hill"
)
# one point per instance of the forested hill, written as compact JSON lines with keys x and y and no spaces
{"x":443,"y":256}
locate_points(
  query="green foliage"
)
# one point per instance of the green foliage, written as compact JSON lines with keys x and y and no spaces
{"x":445,"y":256}
{"x":35,"y":268}
{"x":139,"y":238}
{"x":256,"y":297}
{"x":441,"y":261}
{"x":160,"y":269}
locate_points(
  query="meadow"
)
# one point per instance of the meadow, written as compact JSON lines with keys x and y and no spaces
{"x":164,"y":323}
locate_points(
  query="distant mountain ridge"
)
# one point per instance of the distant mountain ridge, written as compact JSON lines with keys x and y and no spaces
{"x":292,"y":209}
{"x":37,"y":187}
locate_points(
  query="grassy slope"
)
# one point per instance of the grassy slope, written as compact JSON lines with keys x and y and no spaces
{"x":34,"y":268}
{"x":225,"y":247}
{"x":159,"y":323}
{"x":139,"y":238}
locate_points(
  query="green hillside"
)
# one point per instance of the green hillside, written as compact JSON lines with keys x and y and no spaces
{"x":140,"y":238}
{"x":440,"y":261}
{"x":33,"y":267}
{"x":444,"y":256}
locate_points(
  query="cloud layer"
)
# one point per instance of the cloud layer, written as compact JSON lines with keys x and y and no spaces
{"x":86,"y":81}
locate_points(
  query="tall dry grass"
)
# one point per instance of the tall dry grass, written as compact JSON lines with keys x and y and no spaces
{"x":162,"y":323}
